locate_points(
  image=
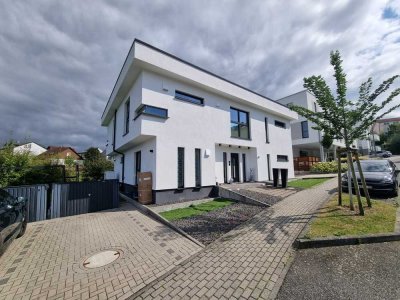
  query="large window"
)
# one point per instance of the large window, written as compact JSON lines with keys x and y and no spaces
{"x":197,"y":167}
{"x":127,"y":110}
{"x":152,"y":111}
{"x":189,"y":98}
{"x":181,"y":167}
{"x":304,"y":129}
{"x":266,"y":131}
{"x":280,"y":124}
{"x":240,"y":124}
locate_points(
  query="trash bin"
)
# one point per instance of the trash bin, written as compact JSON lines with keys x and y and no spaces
{"x":284,"y":176}
{"x":275,"y":176}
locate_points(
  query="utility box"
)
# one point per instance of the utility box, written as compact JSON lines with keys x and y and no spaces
{"x":145,"y":188}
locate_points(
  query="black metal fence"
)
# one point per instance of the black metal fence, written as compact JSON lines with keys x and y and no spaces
{"x":68,"y":199}
{"x":76,"y":198}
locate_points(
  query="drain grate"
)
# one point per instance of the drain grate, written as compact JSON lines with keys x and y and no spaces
{"x":101,"y":259}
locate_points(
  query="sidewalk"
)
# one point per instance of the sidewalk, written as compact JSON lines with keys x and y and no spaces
{"x":247,"y":262}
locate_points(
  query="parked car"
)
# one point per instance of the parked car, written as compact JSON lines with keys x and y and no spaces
{"x":383,"y":153}
{"x":380,"y":175}
{"x":12,"y":218}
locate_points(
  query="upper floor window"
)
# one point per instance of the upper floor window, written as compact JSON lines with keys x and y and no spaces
{"x":282,"y":158}
{"x":189,"y":98}
{"x":240,"y":124}
{"x":304,"y":129}
{"x":127,"y":110}
{"x":280,"y":124}
{"x":152,"y":111}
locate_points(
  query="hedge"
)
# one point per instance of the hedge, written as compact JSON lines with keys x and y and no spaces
{"x":327,"y":167}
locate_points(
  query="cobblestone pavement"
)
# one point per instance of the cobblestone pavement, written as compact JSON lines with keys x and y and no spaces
{"x":47,"y":262}
{"x":248,"y":262}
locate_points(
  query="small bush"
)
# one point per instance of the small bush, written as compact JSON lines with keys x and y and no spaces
{"x":327,"y":167}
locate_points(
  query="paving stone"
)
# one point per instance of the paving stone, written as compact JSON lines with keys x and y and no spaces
{"x":48,"y":264}
{"x":259,"y":249}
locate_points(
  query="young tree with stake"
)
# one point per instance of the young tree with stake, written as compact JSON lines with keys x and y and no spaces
{"x":348,"y":120}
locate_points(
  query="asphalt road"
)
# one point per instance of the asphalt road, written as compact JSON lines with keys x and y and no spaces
{"x":365,"y":272}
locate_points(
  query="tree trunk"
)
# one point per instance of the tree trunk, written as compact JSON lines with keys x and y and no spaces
{"x":357,"y":189}
{"x":339,"y":178}
{"x":364,"y":184}
{"x":349,"y":183}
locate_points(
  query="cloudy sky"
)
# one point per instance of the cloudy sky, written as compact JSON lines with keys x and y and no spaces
{"x":59,"y":59}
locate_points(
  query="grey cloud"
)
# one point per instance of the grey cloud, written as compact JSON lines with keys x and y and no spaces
{"x":59,"y":59}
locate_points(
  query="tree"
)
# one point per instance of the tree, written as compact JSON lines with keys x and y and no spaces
{"x":13,"y":166}
{"x":393,"y":145}
{"x":96,"y":164}
{"x":343,"y":119}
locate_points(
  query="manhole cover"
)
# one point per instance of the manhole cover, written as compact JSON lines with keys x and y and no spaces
{"x":101,"y":259}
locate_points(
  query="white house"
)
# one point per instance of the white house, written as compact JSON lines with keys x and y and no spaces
{"x":31,"y":148}
{"x":306,"y":140}
{"x":190,"y":128}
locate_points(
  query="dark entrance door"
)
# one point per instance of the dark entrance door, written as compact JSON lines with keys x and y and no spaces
{"x":138,"y":164}
{"x":235,"y":167}
{"x":244,"y":167}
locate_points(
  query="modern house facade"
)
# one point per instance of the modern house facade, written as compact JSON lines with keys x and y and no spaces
{"x":190,"y":128}
{"x":307,"y":141}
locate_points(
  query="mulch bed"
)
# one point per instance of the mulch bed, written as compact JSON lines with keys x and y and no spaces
{"x":208,"y":227}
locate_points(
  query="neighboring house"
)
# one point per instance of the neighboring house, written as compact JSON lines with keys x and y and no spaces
{"x":307,"y":141}
{"x":31,"y":148}
{"x":382,"y":125}
{"x":59,"y":153}
{"x":190,"y":128}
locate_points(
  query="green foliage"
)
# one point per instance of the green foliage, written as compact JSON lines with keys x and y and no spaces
{"x":341,"y":118}
{"x":327,"y":167}
{"x":306,"y":183}
{"x":393,"y":145}
{"x":96,"y":164}
{"x":13,"y":166}
{"x":327,"y":141}
{"x":194,"y":210}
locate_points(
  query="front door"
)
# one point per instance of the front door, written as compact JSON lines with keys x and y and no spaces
{"x":235,"y":167}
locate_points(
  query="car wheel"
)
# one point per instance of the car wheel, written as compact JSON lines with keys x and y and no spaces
{"x":23,"y":228}
{"x":395,"y":191}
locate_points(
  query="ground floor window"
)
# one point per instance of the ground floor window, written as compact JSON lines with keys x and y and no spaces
{"x":181,"y":167}
{"x":197,"y":166}
{"x":282,"y":158}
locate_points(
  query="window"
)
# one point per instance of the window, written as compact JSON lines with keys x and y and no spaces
{"x":303,"y":153}
{"x":240,"y":124}
{"x":244,"y":167}
{"x":280,"y":124}
{"x":282,"y":158}
{"x":304,"y":129}
{"x":197,"y":166}
{"x":127,"y":109}
{"x":188,"y":98}
{"x":138,"y":165}
{"x":315,"y":106}
{"x":181,"y":168}
{"x":152,"y":111}
{"x":266,"y":130}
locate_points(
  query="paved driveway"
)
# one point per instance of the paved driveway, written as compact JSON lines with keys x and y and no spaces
{"x":48,"y":261}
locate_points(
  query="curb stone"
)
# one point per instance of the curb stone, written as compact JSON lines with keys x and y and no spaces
{"x":348,"y":240}
{"x":160,"y":219}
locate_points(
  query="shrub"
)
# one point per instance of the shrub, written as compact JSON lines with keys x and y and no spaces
{"x":327,"y":167}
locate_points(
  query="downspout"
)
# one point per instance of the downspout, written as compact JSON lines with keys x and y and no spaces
{"x":122,"y":154}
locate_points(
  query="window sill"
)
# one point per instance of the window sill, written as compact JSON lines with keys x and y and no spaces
{"x":158,"y":117}
{"x":125,"y":133}
{"x":182,"y":100}
{"x":239,"y":138}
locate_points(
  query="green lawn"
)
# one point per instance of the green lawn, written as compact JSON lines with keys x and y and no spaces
{"x":334,"y":220}
{"x":194,"y":210}
{"x":306,"y":183}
